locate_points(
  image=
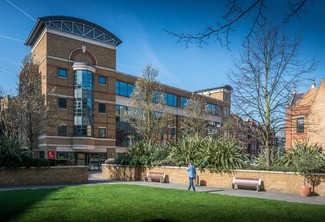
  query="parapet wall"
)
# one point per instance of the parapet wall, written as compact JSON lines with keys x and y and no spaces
{"x":286,"y":182}
{"x":44,"y":176}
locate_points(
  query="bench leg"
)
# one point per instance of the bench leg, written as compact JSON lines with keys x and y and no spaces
{"x":232,"y":186}
{"x":257,"y":188}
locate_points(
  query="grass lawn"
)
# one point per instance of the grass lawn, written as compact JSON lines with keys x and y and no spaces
{"x":117,"y":202}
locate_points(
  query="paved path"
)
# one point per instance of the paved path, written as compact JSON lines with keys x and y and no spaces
{"x":95,"y":179}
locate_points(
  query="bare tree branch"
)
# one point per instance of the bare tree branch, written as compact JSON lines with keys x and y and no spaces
{"x":235,"y":13}
{"x":295,"y":9}
{"x":263,"y":78}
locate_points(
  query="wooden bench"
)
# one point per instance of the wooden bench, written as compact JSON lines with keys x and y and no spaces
{"x":247,"y":182}
{"x":155,"y":176}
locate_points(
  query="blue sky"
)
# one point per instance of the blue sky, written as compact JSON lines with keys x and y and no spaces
{"x":140,"y":24}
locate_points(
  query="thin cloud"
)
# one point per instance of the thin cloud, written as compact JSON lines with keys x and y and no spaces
{"x":163,"y":70}
{"x":10,"y":61}
{"x":21,"y":10}
{"x":8,"y":37}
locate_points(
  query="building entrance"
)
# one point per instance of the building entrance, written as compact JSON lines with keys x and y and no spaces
{"x":93,"y":160}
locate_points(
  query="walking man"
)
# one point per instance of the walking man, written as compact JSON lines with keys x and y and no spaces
{"x":191,"y":175}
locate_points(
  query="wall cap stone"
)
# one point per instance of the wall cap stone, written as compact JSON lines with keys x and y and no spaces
{"x":231,"y":172}
{"x":50,"y":167}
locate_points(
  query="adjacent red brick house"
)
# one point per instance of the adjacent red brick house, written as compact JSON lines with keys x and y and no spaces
{"x":305,"y":116}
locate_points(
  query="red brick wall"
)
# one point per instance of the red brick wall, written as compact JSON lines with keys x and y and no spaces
{"x":44,"y":176}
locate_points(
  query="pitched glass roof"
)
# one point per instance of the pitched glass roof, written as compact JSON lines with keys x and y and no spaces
{"x":76,"y":26}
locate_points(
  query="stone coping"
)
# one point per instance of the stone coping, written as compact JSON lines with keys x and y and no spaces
{"x":176,"y":167}
{"x":44,"y":167}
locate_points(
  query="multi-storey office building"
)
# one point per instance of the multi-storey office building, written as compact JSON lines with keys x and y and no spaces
{"x":77,"y":62}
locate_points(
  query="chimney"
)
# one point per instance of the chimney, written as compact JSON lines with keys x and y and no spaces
{"x":313,"y":85}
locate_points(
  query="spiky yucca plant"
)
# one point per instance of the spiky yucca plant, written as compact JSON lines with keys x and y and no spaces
{"x":221,"y":155}
{"x":12,"y":152}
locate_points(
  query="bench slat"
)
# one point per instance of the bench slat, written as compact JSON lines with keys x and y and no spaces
{"x":155,"y":176}
{"x":249,"y":182}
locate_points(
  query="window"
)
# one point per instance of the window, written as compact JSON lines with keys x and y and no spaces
{"x":171,"y":99}
{"x":226,"y":96}
{"x":211,"y":109}
{"x":102,"y":132}
{"x":124,"y":89}
{"x":41,"y":154}
{"x":62,"y":73}
{"x":218,"y":110}
{"x":62,"y":103}
{"x":62,"y":130}
{"x":130,"y":89}
{"x":300,"y":124}
{"x":101,"y":107}
{"x":101,"y":80}
{"x":83,"y":102}
{"x":184,"y":101}
{"x":120,"y":113}
{"x":226,"y":112}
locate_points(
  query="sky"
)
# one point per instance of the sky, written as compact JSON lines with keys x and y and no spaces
{"x":140,"y":24}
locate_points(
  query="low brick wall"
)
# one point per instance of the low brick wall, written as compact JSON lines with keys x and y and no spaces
{"x":286,"y":182}
{"x":44,"y":176}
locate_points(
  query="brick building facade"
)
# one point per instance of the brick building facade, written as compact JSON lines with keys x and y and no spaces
{"x":305,"y":119}
{"x":77,"y":62}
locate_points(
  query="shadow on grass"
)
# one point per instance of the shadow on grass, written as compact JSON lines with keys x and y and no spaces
{"x":212,"y":191}
{"x":15,"y":203}
{"x":159,"y":220}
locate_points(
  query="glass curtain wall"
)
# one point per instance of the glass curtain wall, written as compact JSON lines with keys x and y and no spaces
{"x":83,"y":100}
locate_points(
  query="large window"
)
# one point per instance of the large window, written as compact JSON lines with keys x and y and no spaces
{"x":83,"y":100}
{"x":62,"y":103}
{"x":125,"y":133}
{"x":124,"y":89}
{"x":101,"y":107}
{"x":62,"y":72}
{"x":300,"y":124}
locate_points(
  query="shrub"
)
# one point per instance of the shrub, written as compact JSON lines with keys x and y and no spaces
{"x":186,"y":150}
{"x":221,"y":155}
{"x":123,"y":159}
{"x":40,"y":162}
{"x":260,"y":159}
{"x":61,"y":162}
{"x":304,"y":158}
{"x":12,"y":153}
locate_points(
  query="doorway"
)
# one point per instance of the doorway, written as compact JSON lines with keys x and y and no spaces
{"x":93,"y":160}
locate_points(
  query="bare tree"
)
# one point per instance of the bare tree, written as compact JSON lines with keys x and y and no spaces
{"x":194,"y":120}
{"x":254,"y":11}
{"x":7,"y":123}
{"x":30,"y":112}
{"x":147,"y":111}
{"x":263,"y":79}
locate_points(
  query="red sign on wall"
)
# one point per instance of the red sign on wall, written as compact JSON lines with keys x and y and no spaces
{"x":51,"y":154}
